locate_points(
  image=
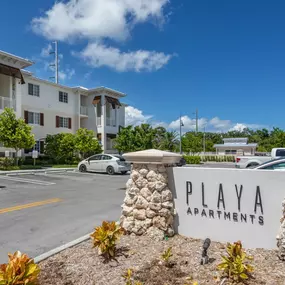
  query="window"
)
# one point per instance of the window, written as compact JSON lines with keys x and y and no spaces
{"x":34,"y":90}
{"x":232,"y":151}
{"x":276,"y":166}
{"x":280,"y":152}
{"x":106,"y":157}
{"x":34,"y":118}
{"x":63,"y":97}
{"x":39,"y":146}
{"x":63,"y":122}
{"x":95,"y":157}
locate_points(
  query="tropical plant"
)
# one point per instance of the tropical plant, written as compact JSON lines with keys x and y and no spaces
{"x":105,"y":238}
{"x":167,"y":254}
{"x":128,"y":276}
{"x":14,"y":132}
{"x":235,"y":265}
{"x":20,"y":269}
{"x":169,"y":141}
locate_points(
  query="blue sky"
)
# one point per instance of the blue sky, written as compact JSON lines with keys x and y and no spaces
{"x":224,"y":57}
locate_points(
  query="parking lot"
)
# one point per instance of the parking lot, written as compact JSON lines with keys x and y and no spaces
{"x":39,"y":212}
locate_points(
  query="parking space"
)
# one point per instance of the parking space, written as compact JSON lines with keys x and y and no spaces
{"x":39,"y":212}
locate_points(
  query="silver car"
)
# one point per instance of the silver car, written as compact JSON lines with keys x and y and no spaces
{"x":105,"y":163}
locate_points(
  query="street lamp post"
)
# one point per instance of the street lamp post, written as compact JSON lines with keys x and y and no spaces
{"x":180,"y":133}
{"x":204,"y":141}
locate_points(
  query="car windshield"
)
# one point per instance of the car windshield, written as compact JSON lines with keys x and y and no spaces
{"x":267,"y":162}
{"x":120,"y":157}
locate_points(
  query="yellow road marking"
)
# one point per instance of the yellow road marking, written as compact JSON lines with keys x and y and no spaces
{"x":26,"y":206}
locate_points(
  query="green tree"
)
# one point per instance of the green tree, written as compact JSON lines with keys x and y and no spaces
{"x":125,"y":140}
{"x":86,"y":143}
{"x":192,"y":143}
{"x":14,"y":132}
{"x":169,"y":141}
{"x":52,"y":147}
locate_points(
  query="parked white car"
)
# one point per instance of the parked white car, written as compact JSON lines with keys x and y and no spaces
{"x":251,"y":161}
{"x":104,"y":163}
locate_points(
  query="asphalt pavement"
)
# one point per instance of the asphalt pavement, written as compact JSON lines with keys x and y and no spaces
{"x":41,"y":212}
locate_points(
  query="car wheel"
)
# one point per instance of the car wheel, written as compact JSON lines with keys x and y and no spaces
{"x":124,"y":172}
{"x":110,"y":170}
{"x":252,"y":165}
{"x":82,"y":168}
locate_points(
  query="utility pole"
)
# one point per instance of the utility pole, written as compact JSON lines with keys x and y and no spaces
{"x":180,"y":133}
{"x":197,"y":121}
{"x":204,"y":140}
{"x":55,"y":65}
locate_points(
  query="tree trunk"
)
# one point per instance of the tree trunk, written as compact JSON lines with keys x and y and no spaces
{"x":16,"y":157}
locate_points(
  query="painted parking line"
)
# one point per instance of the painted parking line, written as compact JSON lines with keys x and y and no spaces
{"x":25,"y":180}
{"x":31,"y":205}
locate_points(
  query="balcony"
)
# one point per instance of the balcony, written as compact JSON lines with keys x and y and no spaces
{"x":6,"y":102}
{"x":84,"y":110}
{"x":111,"y":122}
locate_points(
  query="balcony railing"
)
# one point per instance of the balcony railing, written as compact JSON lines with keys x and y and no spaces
{"x":111,"y":122}
{"x":6,"y":102}
{"x":84,"y":110}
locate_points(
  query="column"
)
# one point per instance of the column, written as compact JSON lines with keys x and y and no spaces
{"x":148,"y":206}
{"x":103,"y":123}
{"x":18,"y":97}
{"x":117,"y":117}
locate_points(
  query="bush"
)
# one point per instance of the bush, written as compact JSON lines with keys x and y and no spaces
{"x":20,"y":269}
{"x":235,"y":265}
{"x":128,"y":276}
{"x":105,"y":238}
{"x":192,"y":159}
{"x":6,"y":163}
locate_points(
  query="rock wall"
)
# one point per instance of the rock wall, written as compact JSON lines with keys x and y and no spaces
{"x":281,"y":235}
{"x":148,"y":206}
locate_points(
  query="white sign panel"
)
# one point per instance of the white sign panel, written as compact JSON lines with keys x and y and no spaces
{"x":7,"y":153}
{"x":35,"y":154}
{"x":227,"y":205}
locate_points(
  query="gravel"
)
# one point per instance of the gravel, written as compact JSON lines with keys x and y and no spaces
{"x":82,"y":265}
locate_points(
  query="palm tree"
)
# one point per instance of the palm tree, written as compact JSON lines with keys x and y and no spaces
{"x":169,"y":141}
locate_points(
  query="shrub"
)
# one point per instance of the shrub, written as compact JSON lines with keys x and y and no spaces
{"x":6,"y":162}
{"x":235,"y":265}
{"x":192,"y":159}
{"x":167,"y":255}
{"x":19,"y":270}
{"x":128,"y":276}
{"x":105,"y":238}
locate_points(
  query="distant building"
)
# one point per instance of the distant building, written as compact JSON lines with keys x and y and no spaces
{"x":236,"y":146}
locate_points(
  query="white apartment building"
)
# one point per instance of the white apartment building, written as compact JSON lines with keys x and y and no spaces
{"x":54,"y":108}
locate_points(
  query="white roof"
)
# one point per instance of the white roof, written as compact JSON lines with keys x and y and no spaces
{"x":14,"y":60}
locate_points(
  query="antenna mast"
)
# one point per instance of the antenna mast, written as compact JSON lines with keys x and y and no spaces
{"x":55,"y":65}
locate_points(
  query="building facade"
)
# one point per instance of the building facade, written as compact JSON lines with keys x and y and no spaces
{"x":54,"y":108}
{"x":236,"y":146}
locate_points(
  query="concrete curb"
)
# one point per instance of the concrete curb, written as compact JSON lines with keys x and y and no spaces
{"x":27,"y":171}
{"x":56,"y":250}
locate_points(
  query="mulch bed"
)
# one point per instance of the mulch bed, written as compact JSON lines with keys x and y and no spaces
{"x":82,"y":264}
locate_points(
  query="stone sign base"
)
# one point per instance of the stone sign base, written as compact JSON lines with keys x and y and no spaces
{"x":148,"y":206}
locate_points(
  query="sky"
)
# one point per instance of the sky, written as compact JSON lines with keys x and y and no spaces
{"x":225,"y":58}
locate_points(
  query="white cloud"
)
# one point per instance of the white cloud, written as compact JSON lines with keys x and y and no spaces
{"x":217,"y":123}
{"x":188,"y":123}
{"x":66,"y":74}
{"x":95,"y":19}
{"x":46,"y":50}
{"x":135,"y":116}
{"x":97,"y":55}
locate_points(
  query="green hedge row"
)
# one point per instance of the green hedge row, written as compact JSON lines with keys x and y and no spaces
{"x":192,"y":159}
{"x":218,"y":158}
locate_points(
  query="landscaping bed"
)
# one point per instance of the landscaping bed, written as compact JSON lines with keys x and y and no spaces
{"x":82,"y":265}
